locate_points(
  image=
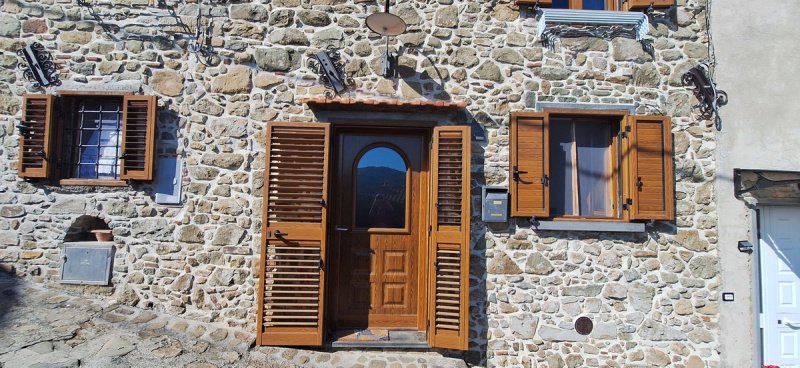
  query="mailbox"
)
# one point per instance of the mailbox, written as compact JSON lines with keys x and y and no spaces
{"x":495,"y":204}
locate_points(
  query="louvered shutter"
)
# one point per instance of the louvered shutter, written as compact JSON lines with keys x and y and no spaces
{"x":291,"y":292}
{"x":644,"y":4}
{"x":138,"y":137}
{"x":35,"y":133}
{"x":449,"y":251}
{"x":530,"y":167}
{"x":650,"y":179}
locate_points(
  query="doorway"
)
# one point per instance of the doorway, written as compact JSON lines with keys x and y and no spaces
{"x":379,"y":192}
{"x":780,"y":285}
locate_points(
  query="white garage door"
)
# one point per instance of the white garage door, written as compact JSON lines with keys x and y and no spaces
{"x":780,"y":285}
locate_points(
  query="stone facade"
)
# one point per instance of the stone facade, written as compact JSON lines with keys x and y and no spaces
{"x":653,"y":296}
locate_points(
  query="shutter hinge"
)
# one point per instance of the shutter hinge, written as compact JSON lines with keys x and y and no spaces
{"x":428,"y":326}
{"x":545,"y":180}
{"x":628,"y":203}
{"x":430,"y":230}
{"x":625,"y":133}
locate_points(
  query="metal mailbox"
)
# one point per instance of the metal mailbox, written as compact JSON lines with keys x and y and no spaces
{"x":495,"y":204}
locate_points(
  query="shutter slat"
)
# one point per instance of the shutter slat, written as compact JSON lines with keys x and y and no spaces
{"x":449,"y":255}
{"x":530,"y":152}
{"x":650,"y":162}
{"x":291,"y":290}
{"x":138,"y":137}
{"x":35,"y":142}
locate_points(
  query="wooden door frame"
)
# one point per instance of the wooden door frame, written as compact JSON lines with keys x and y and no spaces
{"x":422,"y":129}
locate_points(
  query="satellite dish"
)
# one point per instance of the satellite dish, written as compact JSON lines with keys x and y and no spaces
{"x":385,"y":23}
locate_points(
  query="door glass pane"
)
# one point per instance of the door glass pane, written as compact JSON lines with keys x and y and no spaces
{"x":561,"y":162}
{"x":381,"y":189}
{"x":593,"y":141}
{"x":594,"y":4}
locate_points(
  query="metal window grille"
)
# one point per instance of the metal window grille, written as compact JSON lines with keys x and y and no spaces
{"x":95,"y":134}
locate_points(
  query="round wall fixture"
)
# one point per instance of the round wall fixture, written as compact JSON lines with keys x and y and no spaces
{"x":584,"y":325}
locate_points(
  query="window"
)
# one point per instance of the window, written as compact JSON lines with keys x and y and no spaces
{"x":602,"y":166}
{"x":92,"y":139}
{"x":381,"y":189}
{"x":599,"y":4}
{"x":87,"y":139}
{"x":581,"y":167}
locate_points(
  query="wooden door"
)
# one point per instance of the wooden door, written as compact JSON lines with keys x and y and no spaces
{"x":380,"y":193}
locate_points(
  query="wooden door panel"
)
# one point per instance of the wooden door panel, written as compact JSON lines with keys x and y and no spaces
{"x":378,"y":265}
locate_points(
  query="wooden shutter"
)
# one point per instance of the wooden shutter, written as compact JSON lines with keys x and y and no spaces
{"x":292,"y":284}
{"x":138,"y":137}
{"x":644,"y":4}
{"x":35,"y":133}
{"x":530,"y":167}
{"x":449,"y":252}
{"x":650,"y":180}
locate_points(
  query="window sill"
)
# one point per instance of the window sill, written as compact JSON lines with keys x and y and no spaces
{"x":595,"y":17}
{"x":93,"y":182}
{"x":601,"y":226}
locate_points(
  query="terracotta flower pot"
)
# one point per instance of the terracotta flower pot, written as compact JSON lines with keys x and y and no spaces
{"x":103,"y":235}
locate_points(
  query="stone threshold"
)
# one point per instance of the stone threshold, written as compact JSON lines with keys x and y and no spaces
{"x":372,"y":338}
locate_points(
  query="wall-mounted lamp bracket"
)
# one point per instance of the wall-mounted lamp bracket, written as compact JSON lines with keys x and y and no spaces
{"x":330,"y":68}
{"x":40,"y":68}
{"x":711,"y":98}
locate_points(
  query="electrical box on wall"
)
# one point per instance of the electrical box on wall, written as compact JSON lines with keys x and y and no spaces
{"x":495,"y":204}
{"x":87,"y":262}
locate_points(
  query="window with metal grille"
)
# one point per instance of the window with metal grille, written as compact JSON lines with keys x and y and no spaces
{"x":93,"y":137}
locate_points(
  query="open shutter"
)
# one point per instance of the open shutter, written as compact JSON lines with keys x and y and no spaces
{"x":650,"y":179}
{"x":138,"y":137}
{"x":644,"y":4}
{"x":292,"y":284}
{"x":449,"y":251}
{"x":35,"y":132}
{"x":530,"y":167}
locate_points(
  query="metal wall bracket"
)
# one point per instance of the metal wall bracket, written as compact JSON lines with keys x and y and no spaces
{"x":40,"y":68}
{"x":711,"y":98}
{"x":330,"y":68}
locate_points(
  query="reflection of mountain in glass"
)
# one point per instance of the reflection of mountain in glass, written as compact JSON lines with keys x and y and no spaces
{"x":380,"y":197}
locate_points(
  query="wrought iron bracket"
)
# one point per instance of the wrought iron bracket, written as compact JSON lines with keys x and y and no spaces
{"x":710,"y":98}
{"x":330,"y":68}
{"x":40,"y":68}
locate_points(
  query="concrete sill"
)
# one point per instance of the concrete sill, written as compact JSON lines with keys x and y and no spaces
{"x":601,"y":226}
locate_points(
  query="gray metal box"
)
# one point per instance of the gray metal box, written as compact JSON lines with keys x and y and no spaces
{"x":495,"y":204}
{"x":87,"y":263}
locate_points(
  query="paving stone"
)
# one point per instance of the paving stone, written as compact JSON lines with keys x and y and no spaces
{"x":200,"y":347}
{"x":116,"y":347}
{"x":172,"y":350}
{"x":114,"y":317}
{"x":144,"y":317}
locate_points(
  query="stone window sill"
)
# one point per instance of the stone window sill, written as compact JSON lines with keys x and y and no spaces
{"x":93,"y":182}
{"x":594,"y":17}
{"x":599,"y":226}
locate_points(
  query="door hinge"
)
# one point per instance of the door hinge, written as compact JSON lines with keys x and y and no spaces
{"x":430,"y":230}
{"x":428,"y":326}
{"x":628,"y":203}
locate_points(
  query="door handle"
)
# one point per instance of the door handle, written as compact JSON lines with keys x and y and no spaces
{"x":788,"y":323}
{"x":340,"y":229}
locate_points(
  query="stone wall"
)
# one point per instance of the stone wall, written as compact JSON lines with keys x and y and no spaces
{"x":653,"y":297}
